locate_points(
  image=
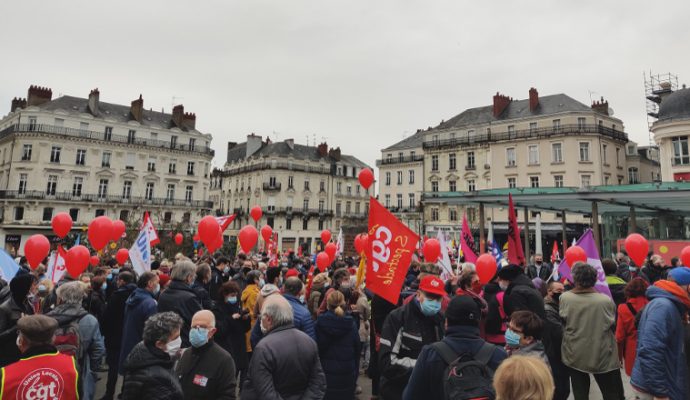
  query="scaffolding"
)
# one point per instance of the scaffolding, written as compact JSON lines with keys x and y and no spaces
{"x":655,"y":87}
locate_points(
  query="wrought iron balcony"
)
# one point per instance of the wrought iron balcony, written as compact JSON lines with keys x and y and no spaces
{"x":267,"y":186}
{"x":399,"y":160}
{"x":95,"y":198}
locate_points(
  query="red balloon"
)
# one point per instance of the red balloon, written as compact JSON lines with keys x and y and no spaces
{"x":325,"y":236}
{"x":323,"y":260}
{"x":196,"y":237}
{"x":179,"y":238}
{"x":100,"y":232}
{"x":366,"y":178}
{"x":358,"y":244}
{"x":637,"y":248}
{"x":486,"y":268}
{"x":208,"y":229}
{"x":217,"y":244}
{"x":36,"y":250}
{"x":575,"y":254}
{"x":121,"y":256}
{"x":76,"y":260}
{"x":256,"y":213}
{"x":62,"y":224}
{"x":266,"y":233}
{"x":248,"y":237}
{"x":432,"y":250}
{"x":330,"y":249}
{"x":94,"y":261}
{"x":685,"y":256}
{"x":118,"y":230}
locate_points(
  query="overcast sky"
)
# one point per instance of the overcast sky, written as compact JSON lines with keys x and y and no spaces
{"x":361,"y":74}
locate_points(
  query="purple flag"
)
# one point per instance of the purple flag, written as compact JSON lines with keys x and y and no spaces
{"x":588,"y":244}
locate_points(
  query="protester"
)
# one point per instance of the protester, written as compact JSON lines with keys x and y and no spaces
{"x":148,"y":367}
{"x":285,"y":364}
{"x":624,"y":270}
{"x":615,"y":283}
{"x":219,"y":276}
{"x":180,"y":297}
{"x":654,"y":270}
{"x":294,"y":294}
{"x":462,"y":338}
{"x":343,"y":283}
{"x":70,"y":316}
{"x":539,"y":269}
{"x":250,"y":296}
{"x":469,"y":285}
{"x":94,"y":303}
{"x":18,"y":304}
{"x":203,"y":278}
{"x":206,"y":371}
{"x":626,"y":332}
{"x":520,"y":293}
{"x":585,"y":312}
{"x":556,"y":324}
{"x":524,"y":335}
{"x":405,"y":331}
{"x":524,"y":378}
{"x":319,"y":286}
{"x":494,"y":324}
{"x":140,"y":305}
{"x":35,"y":342}
{"x":364,"y":311}
{"x":660,"y":369}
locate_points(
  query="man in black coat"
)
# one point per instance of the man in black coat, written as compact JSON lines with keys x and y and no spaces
{"x":219,"y":275}
{"x":539,"y":269}
{"x":111,"y":327}
{"x":520,"y":293}
{"x":180,"y":297}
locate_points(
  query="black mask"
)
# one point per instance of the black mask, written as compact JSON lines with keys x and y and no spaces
{"x":556,"y":296}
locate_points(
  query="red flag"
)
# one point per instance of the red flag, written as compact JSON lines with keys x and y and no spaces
{"x":515,"y":253}
{"x":390,"y":248}
{"x":225,"y":221}
{"x":555,"y":255}
{"x":153,"y":234}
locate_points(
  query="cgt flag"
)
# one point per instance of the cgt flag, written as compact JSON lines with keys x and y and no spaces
{"x":467,"y":242}
{"x":390,"y":248}
{"x":515,"y":253}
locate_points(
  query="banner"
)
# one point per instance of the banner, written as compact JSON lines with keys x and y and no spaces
{"x":444,"y":261}
{"x":225,"y":221}
{"x":151,"y":230}
{"x":467,"y":242}
{"x":389,"y":252}
{"x":590,"y":247}
{"x":140,"y":253}
{"x":516,"y":254}
{"x":56,"y":265}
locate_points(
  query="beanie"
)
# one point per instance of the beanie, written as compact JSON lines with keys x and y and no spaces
{"x":463,"y":310}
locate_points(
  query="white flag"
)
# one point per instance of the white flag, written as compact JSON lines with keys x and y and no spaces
{"x":56,"y":265}
{"x":339,"y":244}
{"x":140,"y":253}
{"x":447,"y":269}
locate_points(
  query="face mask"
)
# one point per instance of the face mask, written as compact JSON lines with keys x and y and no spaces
{"x":157,"y":289}
{"x":325,"y":285}
{"x":512,"y":338}
{"x":477,"y":287}
{"x":261,"y":283}
{"x":538,"y":263}
{"x":104,"y":286}
{"x":42,"y":288}
{"x":116,"y":271}
{"x":301,"y":299}
{"x":345,"y":285}
{"x":632,"y":269}
{"x":264,"y":330}
{"x":430,"y":307}
{"x":556,"y":296}
{"x":18,"y":341}
{"x":232,"y":300}
{"x":198,"y":336}
{"x":110,"y":276}
{"x":226,"y":270}
{"x":172,"y":348}
{"x":503,"y":285}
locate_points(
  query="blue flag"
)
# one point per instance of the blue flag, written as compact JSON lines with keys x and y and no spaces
{"x":8,"y":267}
{"x":495,"y":250}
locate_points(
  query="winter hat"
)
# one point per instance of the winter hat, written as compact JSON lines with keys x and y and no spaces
{"x":510,"y":272}
{"x":320,"y":280}
{"x":463,"y":310}
{"x":163,"y":279}
{"x":680,"y":275}
{"x":37,"y":328}
{"x":291,"y":272}
{"x":20,"y":286}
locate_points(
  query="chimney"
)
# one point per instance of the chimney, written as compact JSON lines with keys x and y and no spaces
{"x":253,"y":144}
{"x":533,"y":99}
{"x":501,"y":102}
{"x":334,"y":153}
{"x":178,"y":115}
{"x":38,"y":95}
{"x":137,"y":109}
{"x":231,"y":145}
{"x":17,"y":102}
{"x":602,"y":107}
{"x":189,"y":121}
{"x":322,"y":149}
{"x":93,"y":102}
{"x":290,"y":143}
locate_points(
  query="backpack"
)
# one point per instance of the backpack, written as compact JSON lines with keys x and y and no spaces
{"x":68,"y":339}
{"x":467,"y":376}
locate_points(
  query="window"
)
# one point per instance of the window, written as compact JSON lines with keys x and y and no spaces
{"x":532,"y":127}
{"x":172,"y":167}
{"x":81,"y":157}
{"x":51,"y":188}
{"x":305,"y":204}
{"x":131,"y":136}
{"x":84,"y":126}
{"x":357,"y":207}
{"x":581,"y":123}
{"x":533,"y":152}
{"x":26,"y":152}
{"x":271,"y":182}
{"x":400,"y":178}
{"x":512,"y":183}
{"x":557,"y":153}
{"x":154,"y":136}
{"x":453,"y":214}
{"x":558,"y":181}
{"x":151,"y":166}
{"x":149,"y":191}
{"x":338,"y":208}
{"x":306,"y":184}
{"x":604,"y":159}
{"x":74,"y":214}
{"x":167,"y":217}
{"x":534,"y":181}
{"x":451,"y":161}
{"x":510,"y":157}
{"x":170,"y":193}
{"x":618,"y":156}
{"x":606,"y":180}
{"x":633,"y":175}
{"x":585,"y":181}
{"x":77,"y":186}
{"x":681,"y":156}
{"x":322,"y":205}
{"x":18,"y":213}
{"x":556,"y":124}
{"x":22,"y":183}
{"x":290,"y":182}
{"x":127,"y":190}
{"x":322,"y":187}
{"x":32,"y":123}
{"x":413,"y":203}
{"x":434,"y":214}
{"x":358,"y":188}
{"x":435,"y":140}
{"x":320,"y":224}
{"x":339,"y":187}
{"x":452,"y":186}
{"x":349,"y":189}
{"x":471,"y":214}
{"x":388,"y":201}
{"x":55,"y":154}
{"x":288,"y":223}
{"x":192,"y":144}
{"x":305,"y":224}
{"x":434,"y":163}
{"x":105,"y":159}
{"x":47,"y":213}
{"x":434,"y":186}
{"x":389,"y":157}
{"x":173,"y":142}
{"x":470,"y":160}
{"x":411,"y":172}
{"x":400,"y":157}
{"x":102,"y":188}
{"x":190,"y":167}
{"x":100,"y":212}
{"x":108,"y":134}
{"x":584,"y":151}
{"x":471,"y":186}
{"x":188,"y":193}
{"x":388,"y":178}
{"x":511,"y":130}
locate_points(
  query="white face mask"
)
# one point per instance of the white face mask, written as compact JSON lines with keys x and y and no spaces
{"x":173,"y":347}
{"x":264,"y":330}
{"x":503,"y":285}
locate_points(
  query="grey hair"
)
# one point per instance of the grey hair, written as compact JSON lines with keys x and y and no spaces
{"x":160,"y":326}
{"x":183,"y":270}
{"x":279,"y":310}
{"x":584,"y":275}
{"x":467,"y":265}
{"x":71,"y":293}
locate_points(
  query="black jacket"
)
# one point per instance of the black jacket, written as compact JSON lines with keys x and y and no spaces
{"x":652,"y":273}
{"x":202,"y":294}
{"x":285,"y":364}
{"x":338,"y":341}
{"x":206,"y":373}
{"x":94,"y":304}
{"x":231,"y":332}
{"x":111,"y":325}
{"x":494,"y":322}
{"x":522,"y":295}
{"x":183,"y":300}
{"x":148,"y":375}
{"x":218,"y":278}
{"x":544,"y":272}
{"x":10,"y":312}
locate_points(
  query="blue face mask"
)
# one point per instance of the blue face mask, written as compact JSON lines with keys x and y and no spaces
{"x":116,"y":271}
{"x":104,"y":286}
{"x":232,"y":300}
{"x":110,"y":277}
{"x":301,"y":299}
{"x":512,"y":338}
{"x":430,"y":307}
{"x":198,"y":336}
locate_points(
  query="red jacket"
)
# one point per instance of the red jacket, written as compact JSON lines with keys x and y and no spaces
{"x":626,"y":333}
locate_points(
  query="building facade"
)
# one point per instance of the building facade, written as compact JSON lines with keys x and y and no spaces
{"x":302,"y":190}
{"x":672,"y":131}
{"x":91,"y":158}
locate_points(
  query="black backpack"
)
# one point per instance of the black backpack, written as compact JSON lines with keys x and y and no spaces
{"x":467,"y":376}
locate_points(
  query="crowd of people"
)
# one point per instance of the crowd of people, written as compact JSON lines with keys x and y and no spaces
{"x":224,"y":328}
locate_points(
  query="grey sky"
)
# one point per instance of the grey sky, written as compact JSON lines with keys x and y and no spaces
{"x":360,"y":73}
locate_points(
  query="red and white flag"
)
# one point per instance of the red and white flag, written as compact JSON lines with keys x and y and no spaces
{"x":150,"y":230}
{"x":225,"y":221}
{"x":56,"y":264}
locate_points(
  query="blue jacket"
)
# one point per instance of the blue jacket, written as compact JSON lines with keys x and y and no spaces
{"x":301,"y":320}
{"x":427,"y":377}
{"x":138,"y":308}
{"x":660,"y":367}
{"x":338,"y":341}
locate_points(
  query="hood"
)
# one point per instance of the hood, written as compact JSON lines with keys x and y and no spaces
{"x":522,"y":280}
{"x":669,"y":290}
{"x":65,"y":313}
{"x":138,"y":296}
{"x":143,"y":356}
{"x":269,"y":289}
{"x":334,"y":325}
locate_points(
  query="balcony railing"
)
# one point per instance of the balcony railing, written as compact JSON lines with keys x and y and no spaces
{"x":526,"y":134}
{"x":267,"y":186}
{"x":94,"y":135}
{"x":95,"y":198}
{"x":399,"y":160}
